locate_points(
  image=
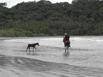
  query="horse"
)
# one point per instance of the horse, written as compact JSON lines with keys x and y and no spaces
{"x":67,"y":45}
{"x":67,"y":53}
{"x":33,"y":46}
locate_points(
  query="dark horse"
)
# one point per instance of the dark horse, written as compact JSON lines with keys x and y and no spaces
{"x":33,"y":46}
{"x":67,"y":45}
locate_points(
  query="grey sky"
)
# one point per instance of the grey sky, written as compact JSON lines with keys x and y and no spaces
{"x":11,"y":3}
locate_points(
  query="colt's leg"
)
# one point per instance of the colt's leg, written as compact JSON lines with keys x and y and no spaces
{"x":27,"y":49}
{"x":33,"y":50}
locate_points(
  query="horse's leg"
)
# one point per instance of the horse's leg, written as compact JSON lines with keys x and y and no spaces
{"x":65,"y":49}
{"x":27,"y":49}
{"x":68,"y":51}
{"x":33,"y":50}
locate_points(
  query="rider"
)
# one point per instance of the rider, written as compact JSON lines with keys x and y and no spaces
{"x":66,"y":40}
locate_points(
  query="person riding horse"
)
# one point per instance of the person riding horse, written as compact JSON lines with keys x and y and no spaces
{"x":66,"y":40}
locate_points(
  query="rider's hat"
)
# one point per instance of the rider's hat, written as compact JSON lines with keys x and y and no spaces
{"x":65,"y":33}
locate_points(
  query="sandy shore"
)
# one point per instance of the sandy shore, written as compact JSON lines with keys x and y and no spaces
{"x":85,"y":60}
{"x":26,"y":67}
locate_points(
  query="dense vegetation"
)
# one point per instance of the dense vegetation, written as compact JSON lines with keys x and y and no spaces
{"x":82,"y":17}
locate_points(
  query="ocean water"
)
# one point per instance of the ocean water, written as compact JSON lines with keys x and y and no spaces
{"x":86,"y":54}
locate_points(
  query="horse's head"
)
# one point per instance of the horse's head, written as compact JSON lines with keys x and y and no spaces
{"x":37,"y":44}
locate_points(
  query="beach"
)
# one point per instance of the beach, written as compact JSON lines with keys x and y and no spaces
{"x":49,"y":59}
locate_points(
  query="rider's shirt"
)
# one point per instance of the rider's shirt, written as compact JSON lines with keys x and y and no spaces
{"x":66,"y":39}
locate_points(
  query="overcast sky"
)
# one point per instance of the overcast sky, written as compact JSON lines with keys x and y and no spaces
{"x":11,"y":3}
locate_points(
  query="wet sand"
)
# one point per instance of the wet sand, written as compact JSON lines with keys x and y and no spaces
{"x":26,"y":67}
{"x":48,"y":60}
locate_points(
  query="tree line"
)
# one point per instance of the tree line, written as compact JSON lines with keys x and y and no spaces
{"x":81,"y":17}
